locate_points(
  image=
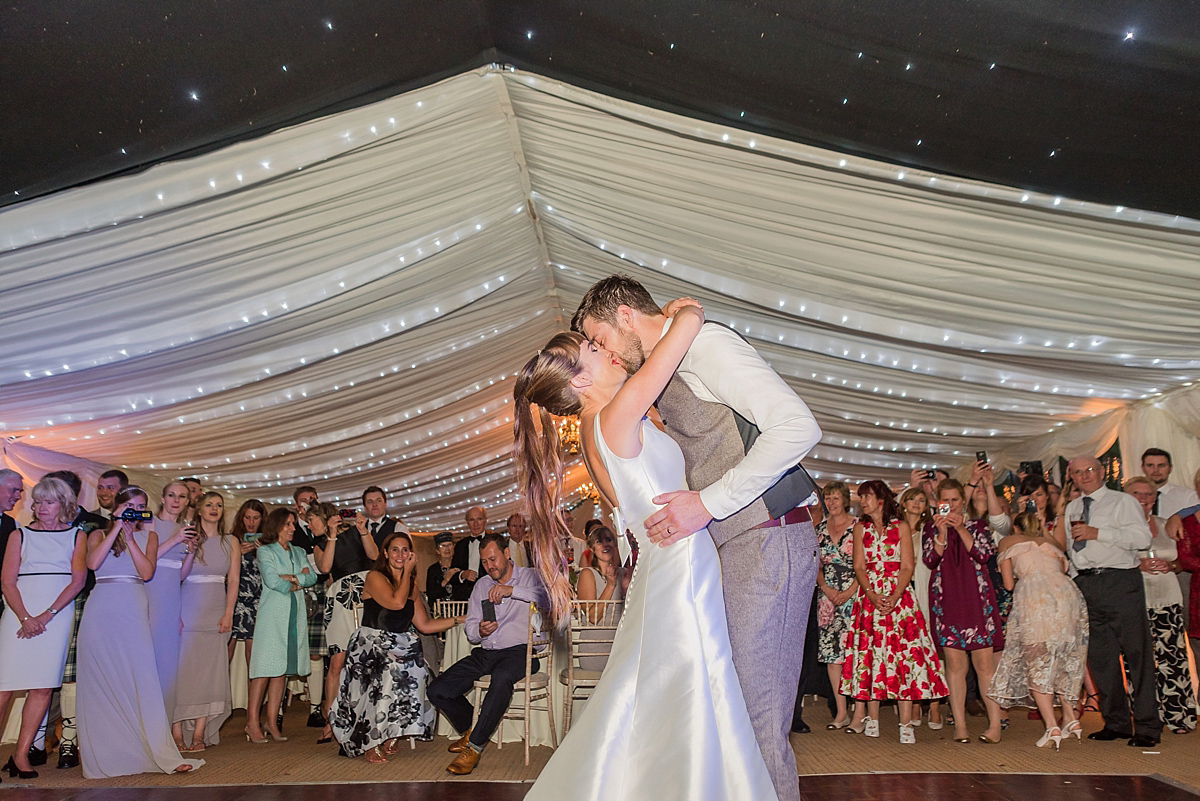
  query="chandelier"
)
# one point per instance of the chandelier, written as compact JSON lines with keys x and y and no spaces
{"x":588,"y":492}
{"x":568,"y":434}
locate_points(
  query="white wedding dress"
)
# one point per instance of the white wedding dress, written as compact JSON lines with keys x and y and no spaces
{"x":667,"y":720}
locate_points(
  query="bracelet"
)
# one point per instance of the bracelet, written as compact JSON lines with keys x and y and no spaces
{"x":973,"y":486}
{"x":25,"y":618}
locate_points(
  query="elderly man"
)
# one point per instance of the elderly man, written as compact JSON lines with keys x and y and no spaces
{"x":1106,"y":531}
{"x":521,"y":548}
{"x":466,"y":552}
{"x":502,"y":634}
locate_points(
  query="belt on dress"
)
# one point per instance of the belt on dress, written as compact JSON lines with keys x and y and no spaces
{"x":208,"y":578}
{"x":798,"y":515}
{"x":119,"y":580}
{"x":170,"y":563}
{"x":1095,"y":571}
{"x":42,"y":574}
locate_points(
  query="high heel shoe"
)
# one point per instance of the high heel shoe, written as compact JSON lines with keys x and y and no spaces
{"x":983,"y":738}
{"x":16,"y":773}
{"x":252,"y":740}
{"x":862,"y":725}
{"x":1074,"y":727}
{"x":1053,"y":735}
{"x":279,"y":738}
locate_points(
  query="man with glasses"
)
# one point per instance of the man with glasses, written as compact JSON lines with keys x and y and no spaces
{"x":1106,"y":529}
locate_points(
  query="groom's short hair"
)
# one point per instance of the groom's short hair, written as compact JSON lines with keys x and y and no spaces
{"x":602,"y":300}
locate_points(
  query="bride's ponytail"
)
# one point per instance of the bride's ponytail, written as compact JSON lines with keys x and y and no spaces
{"x":543,"y":387}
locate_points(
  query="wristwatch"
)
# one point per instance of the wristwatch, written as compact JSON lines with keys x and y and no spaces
{"x":53,"y":612}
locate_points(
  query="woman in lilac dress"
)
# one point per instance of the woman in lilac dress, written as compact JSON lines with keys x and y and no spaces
{"x":965,"y":618}
{"x":162,"y":591}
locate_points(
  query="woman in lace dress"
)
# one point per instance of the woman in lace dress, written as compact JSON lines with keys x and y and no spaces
{"x":1046,"y":639}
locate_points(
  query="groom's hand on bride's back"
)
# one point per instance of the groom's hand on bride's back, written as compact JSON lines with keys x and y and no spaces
{"x":682,"y":516}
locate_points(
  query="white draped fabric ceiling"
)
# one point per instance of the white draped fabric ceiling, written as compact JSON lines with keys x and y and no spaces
{"x":345,"y":302}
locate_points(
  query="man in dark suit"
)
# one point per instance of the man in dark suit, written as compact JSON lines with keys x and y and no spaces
{"x":466,"y":554}
{"x":374,"y":500}
{"x":107,"y":486}
{"x":11,"y":490}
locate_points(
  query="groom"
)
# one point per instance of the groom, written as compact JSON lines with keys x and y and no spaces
{"x":743,"y":432}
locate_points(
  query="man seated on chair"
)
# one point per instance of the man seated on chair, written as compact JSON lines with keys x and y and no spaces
{"x":500,"y":652}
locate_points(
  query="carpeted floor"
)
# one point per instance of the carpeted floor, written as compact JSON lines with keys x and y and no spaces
{"x":301,"y":761}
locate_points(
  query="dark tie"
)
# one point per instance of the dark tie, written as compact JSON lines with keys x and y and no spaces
{"x":374,"y":529}
{"x":1157,"y":498}
{"x":1078,"y":545}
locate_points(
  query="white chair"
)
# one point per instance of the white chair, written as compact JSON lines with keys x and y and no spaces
{"x":590,"y":632}
{"x":534,"y":688}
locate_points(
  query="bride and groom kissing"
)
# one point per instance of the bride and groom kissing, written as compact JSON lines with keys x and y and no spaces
{"x":697,"y":696}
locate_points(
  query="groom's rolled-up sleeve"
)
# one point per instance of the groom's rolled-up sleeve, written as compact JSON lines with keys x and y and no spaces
{"x":724,"y":368}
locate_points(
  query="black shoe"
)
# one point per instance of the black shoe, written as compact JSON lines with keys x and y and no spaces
{"x":1143,"y":741}
{"x":16,"y":773}
{"x":279,"y":720}
{"x":37,"y":756}
{"x":316,"y":720}
{"x":800,"y":727}
{"x":68,"y":756}
{"x":1106,"y":734}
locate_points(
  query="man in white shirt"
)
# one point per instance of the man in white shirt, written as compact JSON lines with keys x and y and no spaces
{"x":1106,"y":531}
{"x":520,"y":549}
{"x":110,"y":483}
{"x":466,"y":552}
{"x":374,"y":500}
{"x":743,"y":432}
{"x":1156,"y":466}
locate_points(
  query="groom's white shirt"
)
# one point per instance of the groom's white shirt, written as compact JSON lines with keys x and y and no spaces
{"x":721,"y":367}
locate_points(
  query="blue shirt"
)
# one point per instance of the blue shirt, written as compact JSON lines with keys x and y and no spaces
{"x":512,"y":613}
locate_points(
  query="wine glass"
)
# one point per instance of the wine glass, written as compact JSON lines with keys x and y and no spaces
{"x":187,"y":523}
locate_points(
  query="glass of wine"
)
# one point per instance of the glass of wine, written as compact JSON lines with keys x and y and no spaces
{"x":187,"y":523}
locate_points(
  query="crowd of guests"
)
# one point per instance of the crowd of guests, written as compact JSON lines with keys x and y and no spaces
{"x":1063,"y":597}
{"x":950,"y":591}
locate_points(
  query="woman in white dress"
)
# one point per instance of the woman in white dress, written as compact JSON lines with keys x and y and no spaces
{"x":668,"y":719}
{"x":43,"y":572}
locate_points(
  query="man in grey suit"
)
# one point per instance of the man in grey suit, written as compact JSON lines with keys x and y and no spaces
{"x":743,"y":432}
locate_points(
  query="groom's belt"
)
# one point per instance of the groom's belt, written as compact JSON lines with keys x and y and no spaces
{"x":798,"y":515}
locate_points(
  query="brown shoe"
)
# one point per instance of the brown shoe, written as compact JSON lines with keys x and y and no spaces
{"x":460,"y":745}
{"x":464,"y":763}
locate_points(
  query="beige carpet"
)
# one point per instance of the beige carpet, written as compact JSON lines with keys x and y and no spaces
{"x":300,"y":760}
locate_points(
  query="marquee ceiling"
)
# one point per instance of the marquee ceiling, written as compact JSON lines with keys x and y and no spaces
{"x":345,"y":302}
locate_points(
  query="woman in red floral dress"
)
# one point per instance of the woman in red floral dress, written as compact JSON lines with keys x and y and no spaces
{"x":890,"y":654}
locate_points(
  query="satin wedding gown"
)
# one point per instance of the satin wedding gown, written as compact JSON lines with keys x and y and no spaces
{"x":667,"y":720}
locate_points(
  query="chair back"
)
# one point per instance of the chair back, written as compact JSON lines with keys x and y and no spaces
{"x":591,"y":630}
{"x":449,"y":608}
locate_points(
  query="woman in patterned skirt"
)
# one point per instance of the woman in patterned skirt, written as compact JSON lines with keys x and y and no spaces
{"x":890,"y":655}
{"x":246,"y":526}
{"x":1164,"y":606}
{"x":382,"y":692}
{"x":837,"y":588}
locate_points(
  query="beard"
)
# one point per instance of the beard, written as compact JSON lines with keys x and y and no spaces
{"x":634,"y":355}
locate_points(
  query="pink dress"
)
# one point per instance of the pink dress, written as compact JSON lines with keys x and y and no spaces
{"x":1047,"y":634}
{"x":890,"y":654}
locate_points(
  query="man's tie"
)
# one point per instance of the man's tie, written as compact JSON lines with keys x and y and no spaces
{"x":1157,"y":498}
{"x":374,"y":528}
{"x":1078,"y":545}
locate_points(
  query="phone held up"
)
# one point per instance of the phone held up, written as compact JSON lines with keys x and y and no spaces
{"x":346,"y":514}
{"x":943,"y":508}
{"x":489,"y":611}
{"x":981,"y":457}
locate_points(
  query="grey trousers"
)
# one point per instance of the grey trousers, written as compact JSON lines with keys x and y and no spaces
{"x":768,"y":577}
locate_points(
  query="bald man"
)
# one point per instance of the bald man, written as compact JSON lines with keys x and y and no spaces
{"x":466,"y":553}
{"x":1106,"y":529}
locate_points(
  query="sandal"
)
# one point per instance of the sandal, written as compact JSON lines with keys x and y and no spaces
{"x":391,"y":746}
{"x":375,"y":756}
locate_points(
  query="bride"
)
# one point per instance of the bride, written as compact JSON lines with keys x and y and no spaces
{"x":667,"y":720}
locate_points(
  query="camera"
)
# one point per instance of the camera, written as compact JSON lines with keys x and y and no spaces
{"x":347,"y":514}
{"x":135,"y":515}
{"x":943,"y":508}
{"x":1030,"y":507}
{"x":930,"y":474}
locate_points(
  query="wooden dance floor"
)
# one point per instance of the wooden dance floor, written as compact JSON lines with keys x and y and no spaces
{"x":845,"y":787}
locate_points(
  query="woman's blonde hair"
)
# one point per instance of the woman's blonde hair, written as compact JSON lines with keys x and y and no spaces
{"x":1029,"y":525}
{"x":162,"y":505}
{"x":55,"y":489}
{"x":1131,"y":481}
{"x":543,"y":388}
{"x":201,"y":537}
{"x":840,"y":488}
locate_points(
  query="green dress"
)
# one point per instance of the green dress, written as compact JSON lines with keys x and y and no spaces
{"x":281,"y":629}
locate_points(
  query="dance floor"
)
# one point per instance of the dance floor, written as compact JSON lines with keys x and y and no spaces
{"x":871,"y":787}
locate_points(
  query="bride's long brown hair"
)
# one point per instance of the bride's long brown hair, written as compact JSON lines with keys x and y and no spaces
{"x":544,"y":388}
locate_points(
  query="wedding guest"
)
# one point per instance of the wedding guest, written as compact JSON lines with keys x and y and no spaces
{"x":163,"y":592}
{"x":246,"y":525}
{"x":1046,"y":639}
{"x":378,"y":522}
{"x":964,"y":615}
{"x":1170,"y":498}
{"x":382,"y":693}
{"x":1175,"y":531}
{"x":441,"y":572}
{"x":1033,"y":497}
{"x":195,"y":490}
{"x":314,"y":599}
{"x":1164,"y":607}
{"x":1188,"y":544}
{"x":914,"y":508}
{"x":500,"y":652}
{"x":466,"y":552}
{"x":123,"y":724}
{"x":12,"y":487}
{"x":43,"y":570}
{"x":607,"y":580}
{"x":890,"y":654}
{"x":210,"y":590}
{"x":281,"y":626}
{"x":1107,"y":529}
{"x":346,"y":556}
{"x":520,"y":546}
{"x":107,"y":486}
{"x":837,"y":588}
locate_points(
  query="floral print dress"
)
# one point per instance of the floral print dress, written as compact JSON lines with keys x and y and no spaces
{"x":962,"y":601}
{"x":837,"y":568}
{"x":890,"y":654}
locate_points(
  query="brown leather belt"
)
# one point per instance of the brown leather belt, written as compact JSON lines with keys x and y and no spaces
{"x":798,"y":515}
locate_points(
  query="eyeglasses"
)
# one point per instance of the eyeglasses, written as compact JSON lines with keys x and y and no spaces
{"x":1084,"y":471}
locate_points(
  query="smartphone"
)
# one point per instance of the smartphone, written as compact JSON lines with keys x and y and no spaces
{"x":489,"y":611}
{"x":347,"y":513}
{"x":135,"y":514}
{"x":250,"y":536}
{"x":943,"y":508}
{"x":1030,"y":507}
{"x":981,"y":456}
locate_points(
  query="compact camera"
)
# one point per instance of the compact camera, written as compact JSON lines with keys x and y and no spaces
{"x":136,"y":515}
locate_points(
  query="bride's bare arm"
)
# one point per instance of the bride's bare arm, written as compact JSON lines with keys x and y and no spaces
{"x":621,"y":419}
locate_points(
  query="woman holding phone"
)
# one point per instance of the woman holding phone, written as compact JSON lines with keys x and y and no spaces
{"x":176,"y":539}
{"x":246,"y":525}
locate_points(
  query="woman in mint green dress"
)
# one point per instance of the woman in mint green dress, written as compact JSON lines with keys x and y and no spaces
{"x":281,"y":629}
